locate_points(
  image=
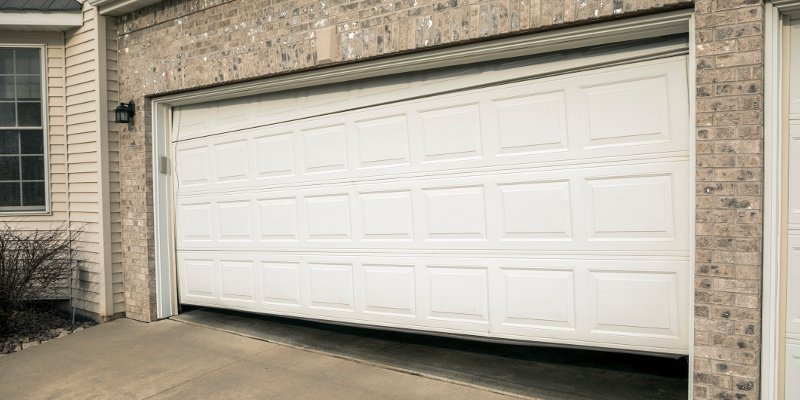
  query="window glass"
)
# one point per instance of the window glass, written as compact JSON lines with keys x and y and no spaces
{"x":31,"y":142}
{"x":33,"y":193}
{"x":10,"y":194}
{"x":9,"y":168}
{"x":9,"y":142}
{"x":32,"y":168}
{"x":7,"y":88}
{"x":29,"y":114}
{"x":8,"y":116}
{"x":29,"y":88}
{"x":6,"y":61}
{"x":27,"y":61}
{"x":23,"y":170}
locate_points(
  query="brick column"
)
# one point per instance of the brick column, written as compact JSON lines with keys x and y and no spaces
{"x":136,"y":187}
{"x":729,"y":193}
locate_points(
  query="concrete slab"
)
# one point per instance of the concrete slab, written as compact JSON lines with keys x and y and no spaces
{"x":121,"y":359}
{"x":286,"y":373}
{"x":124,"y":359}
{"x":538,"y":372}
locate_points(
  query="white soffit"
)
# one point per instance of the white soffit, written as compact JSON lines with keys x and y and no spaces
{"x":116,"y":8}
{"x":40,"y":21}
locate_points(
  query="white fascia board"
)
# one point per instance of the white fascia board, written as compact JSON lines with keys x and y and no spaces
{"x":116,"y":8}
{"x":40,"y":21}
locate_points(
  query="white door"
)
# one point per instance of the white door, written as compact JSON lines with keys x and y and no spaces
{"x":470,"y":201}
{"x":793,"y":228}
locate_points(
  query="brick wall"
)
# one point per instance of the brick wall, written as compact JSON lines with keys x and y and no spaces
{"x":730,"y":51}
{"x":179,"y":45}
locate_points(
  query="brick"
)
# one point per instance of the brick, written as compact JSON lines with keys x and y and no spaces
{"x":720,"y":381}
{"x":730,"y":4}
{"x":750,"y":14}
{"x":736,"y":59}
{"x":737,"y":88}
{"x":737,"y":31}
{"x":720,"y":394}
{"x":717,"y":47}
{"x":716,"y":19}
{"x":700,"y":392}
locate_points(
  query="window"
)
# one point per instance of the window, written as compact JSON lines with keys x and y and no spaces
{"x":22,"y":135}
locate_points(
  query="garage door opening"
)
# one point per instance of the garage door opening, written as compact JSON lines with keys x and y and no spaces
{"x":520,"y":369}
{"x":543,"y":199}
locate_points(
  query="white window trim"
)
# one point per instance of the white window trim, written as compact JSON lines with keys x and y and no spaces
{"x":45,"y":131}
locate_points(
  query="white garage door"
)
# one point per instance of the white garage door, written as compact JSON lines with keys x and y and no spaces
{"x":552,"y":209}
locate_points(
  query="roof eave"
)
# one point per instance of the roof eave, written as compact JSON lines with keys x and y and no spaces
{"x":119,"y":7}
{"x":40,"y":21}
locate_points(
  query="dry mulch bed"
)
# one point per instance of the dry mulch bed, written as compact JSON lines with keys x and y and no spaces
{"x":31,"y":327}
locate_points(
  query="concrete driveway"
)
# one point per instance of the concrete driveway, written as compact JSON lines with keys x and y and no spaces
{"x":124,"y":359}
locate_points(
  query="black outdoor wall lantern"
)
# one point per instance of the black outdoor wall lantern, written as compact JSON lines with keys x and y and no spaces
{"x":124,"y":112}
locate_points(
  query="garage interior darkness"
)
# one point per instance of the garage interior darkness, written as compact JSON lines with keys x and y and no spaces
{"x":530,"y":370}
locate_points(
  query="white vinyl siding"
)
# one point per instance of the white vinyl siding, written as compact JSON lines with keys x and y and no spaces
{"x":115,"y":222}
{"x":82,"y":158}
{"x":75,"y":133}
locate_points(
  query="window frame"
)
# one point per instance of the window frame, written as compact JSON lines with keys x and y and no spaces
{"x":30,"y":210}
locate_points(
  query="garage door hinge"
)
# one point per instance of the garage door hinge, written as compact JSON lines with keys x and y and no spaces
{"x":162,"y":165}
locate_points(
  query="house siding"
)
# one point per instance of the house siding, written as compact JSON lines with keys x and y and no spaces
{"x":115,"y":221}
{"x":182,"y":45}
{"x":74,"y":134}
{"x":82,"y":156}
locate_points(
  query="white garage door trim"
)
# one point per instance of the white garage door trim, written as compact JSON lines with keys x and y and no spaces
{"x":165,"y":278}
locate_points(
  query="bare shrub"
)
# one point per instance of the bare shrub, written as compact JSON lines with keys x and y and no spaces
{"x":34,"y":265}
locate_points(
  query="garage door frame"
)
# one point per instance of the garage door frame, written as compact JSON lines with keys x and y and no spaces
{"x":676,"y":22}
{"x":778,"y":14}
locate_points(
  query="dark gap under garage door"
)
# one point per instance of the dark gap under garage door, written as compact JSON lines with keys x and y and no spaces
{"x":538,"y":372}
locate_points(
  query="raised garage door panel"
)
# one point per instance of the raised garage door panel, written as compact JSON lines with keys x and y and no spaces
{"x":551,"y":209}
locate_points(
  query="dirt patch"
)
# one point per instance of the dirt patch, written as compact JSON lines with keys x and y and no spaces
{"x":34,"y":326}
